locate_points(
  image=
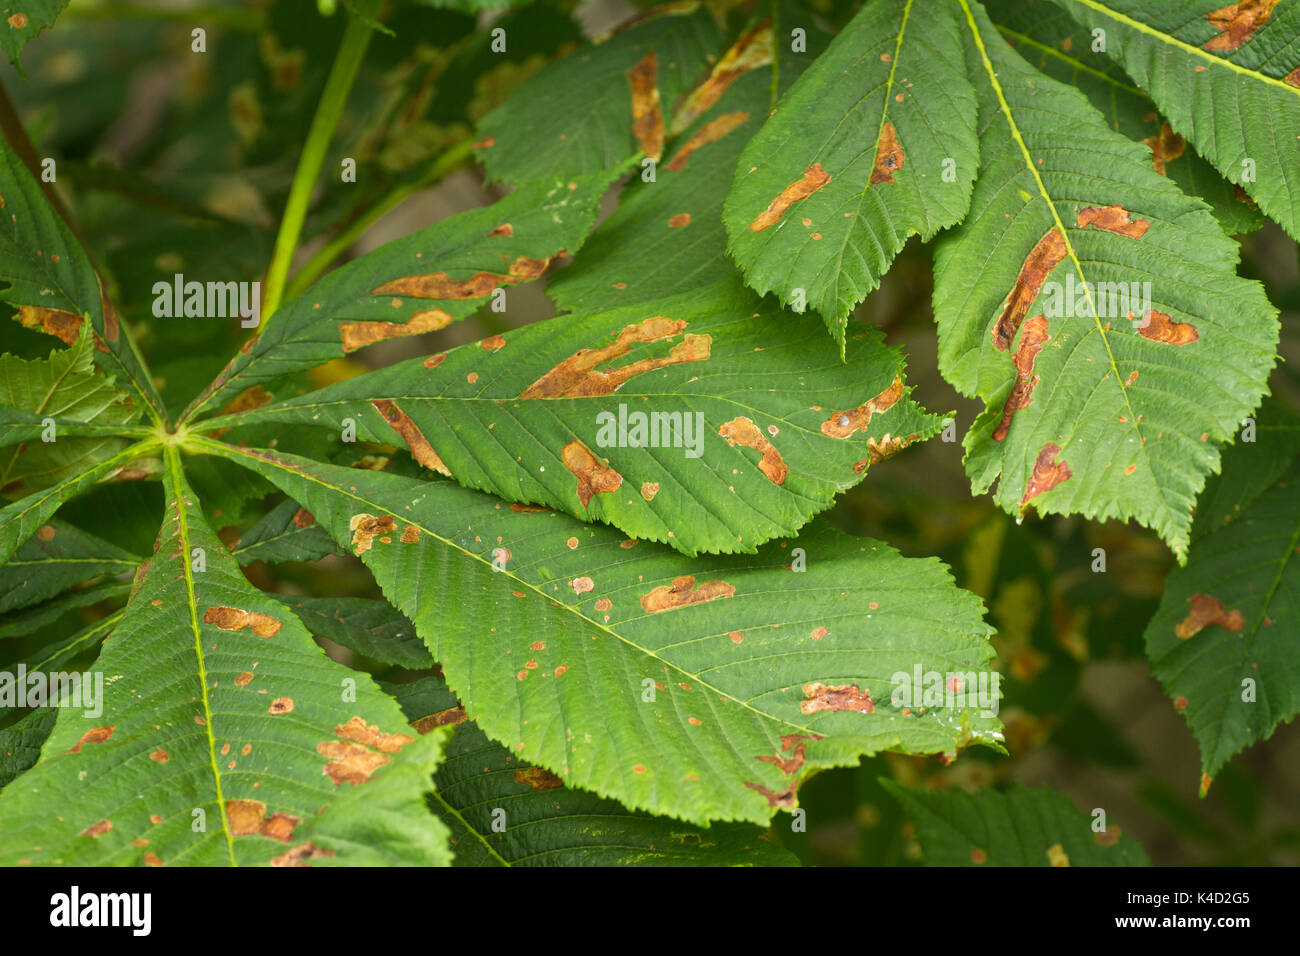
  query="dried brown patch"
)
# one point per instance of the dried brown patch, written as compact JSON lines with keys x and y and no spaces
{"x":365,"y":528}
{"x":1031,"y":343}
{"x":299,"y":855}
{"x":679,"y":220}
{"x":649,"y":489}
{"x":45,"y":532}
{"x":433,"y":361}
{"x":247,"y":400}
{"x":1165,"y":147}
{"x":594,"y":477}
{"x":794,"y":744}
{"x":751,"y":51}
{"x":1107,"y":837}
{"x":152,"y":859}
{"x":682,"y":593}
{"x":65,"y":326}
{"x":97,"y":829}
{"x":244,"y":678}
{"x":505,"y":229}
{"x":889,"y":156}
{"x":1047,"y":473}
{"x":539,"y":778}
{"x":741,"y":431}
{"x":281,"y":705}
{"x":401,"y":423}
{"x":1057,"y":856}
{"x":711,"y":132}
{"x":578,"y":377}
{"x":844,"y":424}
{"x":493,"y":343}
{"x":410,"y":534}
{"x":234,"y":619}
{"x":357,"y":335}
{"x":350,"y":762}
{"x":96,"y":735}
{"x":1207,"y":610}
{"x":1114,"y":219}
{"x":1237,"y":22}
{"x":1159,"y":327}
{"x":1291,"y":79}
{"x":774,"y":799}
{"x":438,"y":285}
{"x":850,"y":697}
{"x":814,"y":178}
{"x":303,"y":518}
{"x":160,"y":756}
{"x":443,"y":718}
{"x":18,"y":21}
{"x":1042,"y":259}
{"x":647,"y":119}
{"x":248,"y":818}
{"x":359,"y":731}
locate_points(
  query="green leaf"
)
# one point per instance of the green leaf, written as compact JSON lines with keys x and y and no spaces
{"x":216,"y":699}
{"x":1110,"y":416}
{"x":667,"y":237}
{"x":53,"y":283}
{"x":23,"y":24}
{"x":1016,"y":827}
{"x":285,"y":533}
{"x":65,"y":388}
{"x":373,"y":629}
{"x":38,"y":619}
{"x":20,"y":744}
{"x":1061,"y":48}
{"x":56,"y":558}
{"x":604,"y":103}
{"x":771,"y":425}
{"x":757,"y":678}
{"x":416,"y":284}
{"x":1223,"y":641}
{"x":1228,"y":80}
{"x":541,"y":822}
{"x":874,"y":143}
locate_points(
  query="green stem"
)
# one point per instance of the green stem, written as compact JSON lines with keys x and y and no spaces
{"x":322,"y":260}
{"x":342,"y":74}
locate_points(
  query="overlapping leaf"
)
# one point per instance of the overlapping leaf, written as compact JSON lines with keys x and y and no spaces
{"x":1226,"y":76}
{"x":874,"y":143}
{"x":503,"y":811}
{"x":53,"y":283}
{"x":602,"y":104}
{"x":1016,"y":827}
{"x":24,"y":22}
{"x":1064,"y":50}
{"x":420,"y":283}
{"x":749,"y":422}
{"x":1223,"y":641}
{"x":703,"y":690}
{"x":1100,"y":399}
{"x":224,"y":732}
{"x":57,"y":557}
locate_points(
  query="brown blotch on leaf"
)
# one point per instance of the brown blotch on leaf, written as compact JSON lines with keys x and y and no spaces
{"x":522,"y":509}
{"x":1165,"y":147}
{"x":493,"y":343}
{"x":160,"y":756}
{"x":682,"y":593}
{"x":365,"y":528}
{"x":1031,"y":343}
{"x":1042,"y":259}
{"x":96,"y":735}
{"x":281,"y":705}
{"x":357,"y":335}
{"x":97,"y":829}
{"x":794,"y":744}
{"x":433,"y":361}
{"x":844,"y":424}
{"x":1291,"y":79}
{"x":505,"y":229}
{"x":594,"y":477}
{"x":649,"y":489}
{"x":845,"y":697}
{"x":244,"y":679}
{"x":751,"y":51}
{"x":45,"y":532}
{"x":647,"y":118}
{"x":1158,"y":327}
{"x":774,"y":799}
{"x":1207,"y":610}
{"x":152,"y":859}
{"x":1057,"y":856}
{"x":539,"y":778}
{"x":359,"y":731}
{"x":438,"y":285}
{"x":410,"y":433}
{"x":1047,"y":473}
{"x":711,"y":132}
{"x":303,"y":518}
{"x":1237,"y":22}
{"x":1107,"y":837}
{"x":255,"y":396}
{"x":18,"y":21}
{"x":64,"y":326}
{"x":889,"y":156}
{"x":679,"y":220}
{"x":814,"y":178}
{"x":443,"y":718}
{"x":234,"y":619}
{"x":741,"y":431}
{"x":1114,"y":219}
{"x":299,"y":855}
{"x":350,"y":762}
{"x":578,"y":377}
{"x":410,"y":534}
